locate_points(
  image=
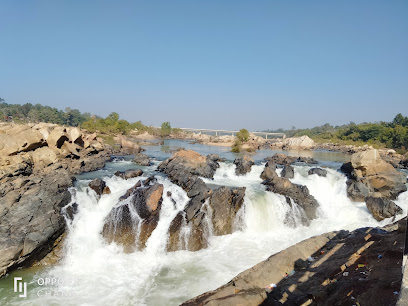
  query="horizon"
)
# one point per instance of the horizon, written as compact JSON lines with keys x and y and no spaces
{"x":258,"y":66}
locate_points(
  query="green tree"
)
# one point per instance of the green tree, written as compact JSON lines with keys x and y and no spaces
{"x":243,"y":135}
{"x":165,"y":128}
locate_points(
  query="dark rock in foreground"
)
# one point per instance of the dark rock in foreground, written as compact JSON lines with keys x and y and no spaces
{"x":337,"y":268}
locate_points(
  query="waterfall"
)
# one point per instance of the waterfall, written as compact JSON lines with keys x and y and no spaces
{"x":106,"y":274}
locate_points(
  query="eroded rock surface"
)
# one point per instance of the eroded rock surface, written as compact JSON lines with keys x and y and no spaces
{"x":369,"y":175}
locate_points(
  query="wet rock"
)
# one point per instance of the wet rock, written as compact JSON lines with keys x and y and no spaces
{"x":98,"y":185}
{"x":369,"y":175}
{"x":147,"y":200}
{"x":243,"y":165}
{"x":149,"y":180}
{"x":269,"y":172}
{"x":318,"y":171}
{"x":382,"y":208}
{"x":288,"y":172}
{"x":130,"y":191}
{"x":142,"y":159}
{"x":70,"y":210}
{"x":225,"y":204}
{"x":298,"y":193}
{"x":128,"y":174}
{"x":124,"y":227}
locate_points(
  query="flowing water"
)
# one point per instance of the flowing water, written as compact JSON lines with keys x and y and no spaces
{"x":94,"y":272}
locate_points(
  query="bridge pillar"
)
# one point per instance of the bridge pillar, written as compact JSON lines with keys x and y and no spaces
{"x":266,"y":136}
{"x":216,"y":133}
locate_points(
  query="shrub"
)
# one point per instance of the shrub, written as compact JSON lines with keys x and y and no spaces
{"x":243,"y":135}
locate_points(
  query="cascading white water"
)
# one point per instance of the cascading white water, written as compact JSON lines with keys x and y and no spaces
{"x":103,"y":274}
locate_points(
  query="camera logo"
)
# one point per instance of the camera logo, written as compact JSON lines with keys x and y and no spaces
{"x":20,"y":286}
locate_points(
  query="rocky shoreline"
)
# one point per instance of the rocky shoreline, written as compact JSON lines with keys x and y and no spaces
{"x":362,"y":267}
{"x":37,"y":167}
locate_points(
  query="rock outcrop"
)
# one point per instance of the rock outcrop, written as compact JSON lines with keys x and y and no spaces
{"x":337,"y":268}
{"x":294,"y":143}
{"x":298,"y":193}
{"x":133,"y":219}
{"x":206,"y":208}
{"x":243,"y":165}
{"x":369,"y":175}
{"x":189,"y":162}
{"x":37,"y":164}
{"x":99,"y":186}
{"x":382,"y":208}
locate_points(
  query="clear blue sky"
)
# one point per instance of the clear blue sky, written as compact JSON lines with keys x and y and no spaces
{"x":209,"y":64}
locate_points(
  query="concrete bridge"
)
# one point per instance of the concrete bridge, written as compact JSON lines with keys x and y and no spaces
{"x":220,"y":132}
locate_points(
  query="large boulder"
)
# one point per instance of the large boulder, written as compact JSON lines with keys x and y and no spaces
{"x":371,"y":175}
{"x":132,"y":221}
{"x":99,"y":186}
{"x":43,"y":157}
{"x":142,"y":159}
{"x":298,"y":143}
{"x":269,"y":172}
{"x":382,"y":208}
{"x":16,"y":140}
{"x":225,"y":204}
{"x":188,"y":161}
{"x":243,"y":165}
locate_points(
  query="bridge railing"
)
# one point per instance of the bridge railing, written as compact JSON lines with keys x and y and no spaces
{"x":265,"y":134}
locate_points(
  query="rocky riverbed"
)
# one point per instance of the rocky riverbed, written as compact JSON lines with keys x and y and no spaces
{"x":171,"y":219}
{"x":37,"y":167}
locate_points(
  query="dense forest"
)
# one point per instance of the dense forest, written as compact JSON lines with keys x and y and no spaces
{"x":392,"y":134}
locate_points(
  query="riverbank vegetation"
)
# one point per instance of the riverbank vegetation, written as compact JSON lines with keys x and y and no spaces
{"x":38,"y":113}
{"x":392,"y":134}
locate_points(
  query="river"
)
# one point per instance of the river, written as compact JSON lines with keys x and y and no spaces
{"x":96,"y":273}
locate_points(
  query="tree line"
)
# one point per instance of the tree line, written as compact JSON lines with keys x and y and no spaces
{"x":392,"y":134}
{"x":39,"y":113}
{"x":112,"y":124}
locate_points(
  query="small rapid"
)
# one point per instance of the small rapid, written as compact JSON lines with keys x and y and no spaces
{"x":104,"y":274}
